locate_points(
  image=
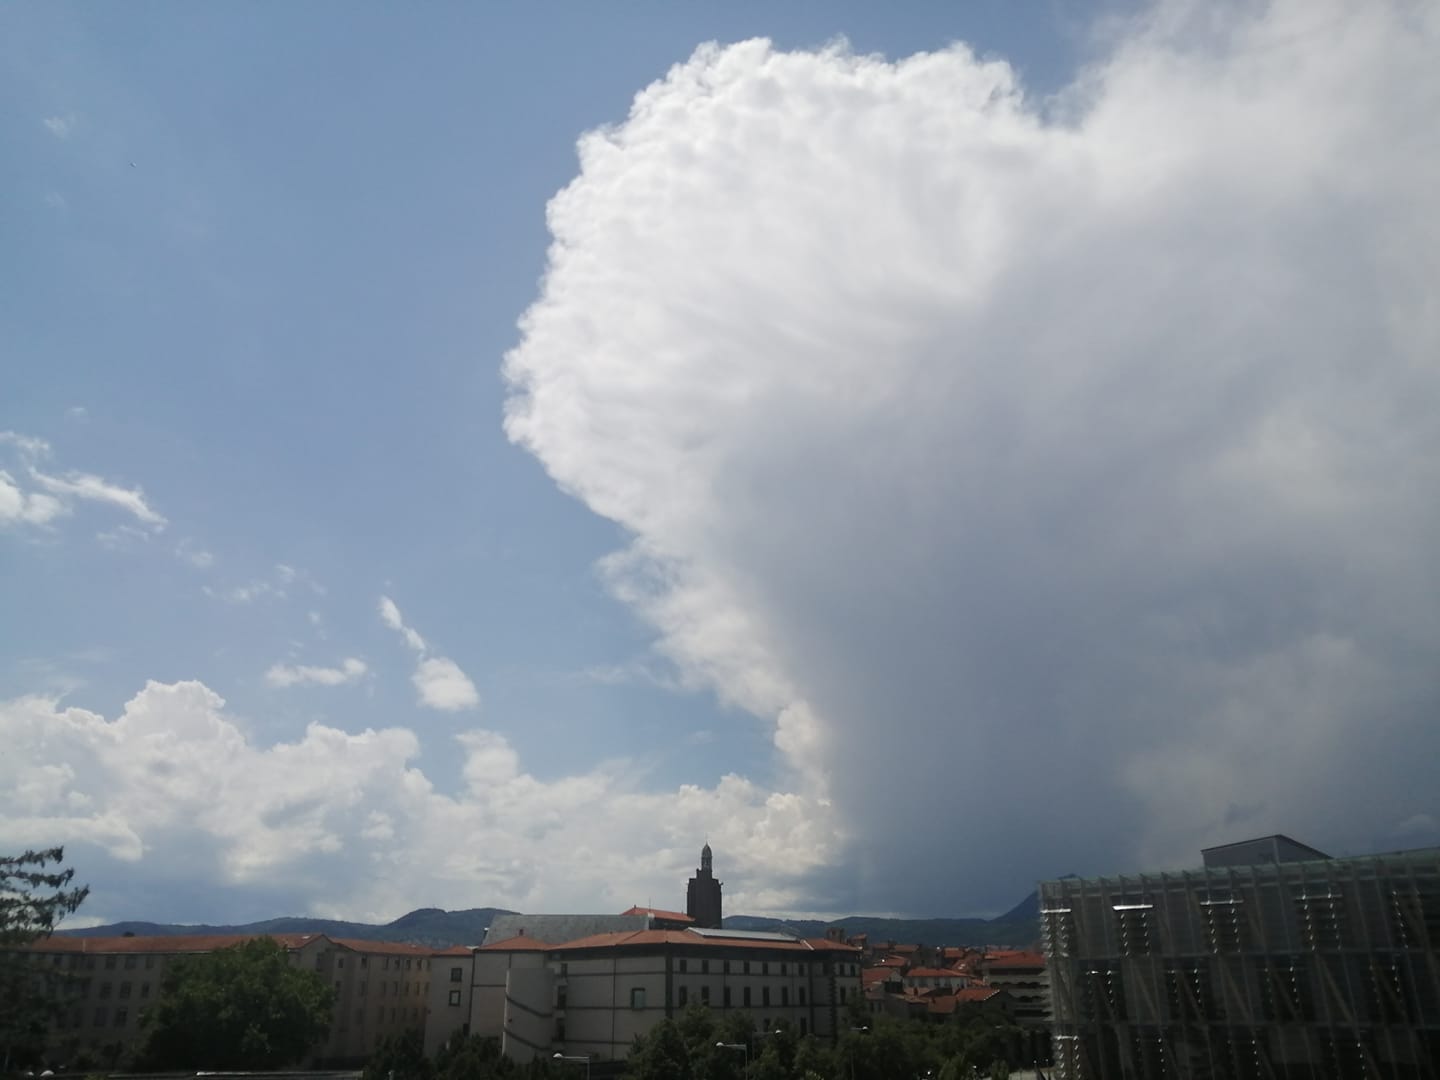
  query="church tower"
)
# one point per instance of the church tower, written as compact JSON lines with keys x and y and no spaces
{"x":702,"y":896}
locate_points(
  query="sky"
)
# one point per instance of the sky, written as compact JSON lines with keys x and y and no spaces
{"x":474,"y":455}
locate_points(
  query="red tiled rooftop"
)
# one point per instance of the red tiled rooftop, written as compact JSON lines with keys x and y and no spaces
{"x":162,"y":943}
{"x":520,"y":943}
{"x":929,"y":973}
{"x":1014,"y":958}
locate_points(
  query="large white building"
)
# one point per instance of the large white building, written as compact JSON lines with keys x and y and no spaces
{"x":593,"y":995}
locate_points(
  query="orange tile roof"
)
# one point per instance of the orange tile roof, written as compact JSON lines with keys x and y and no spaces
{"x":930,"y":973}
{"x":520,"y":943}
{"x":976,"y":993}
{"x":660,"y":913}
{"x":1014,"y":958}
{"x":392,"y":948}
{"x":162,"y":943}
{"x":453,"y":950}
{"x":198,"y":943}
{"x":875,"y":976}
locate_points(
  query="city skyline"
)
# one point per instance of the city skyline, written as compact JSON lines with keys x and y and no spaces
{"x":474,"y":457}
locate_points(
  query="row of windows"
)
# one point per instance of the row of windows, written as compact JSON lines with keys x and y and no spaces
{"x":683,"y":996}
{"x":111,"y":961}
{"x":102,"y":1017}
{"x":786,"y":967}
{"x":125,"y":988}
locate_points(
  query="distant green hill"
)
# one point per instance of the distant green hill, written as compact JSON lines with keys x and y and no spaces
{"x":423,"y":926}
{"x":441,"y":929}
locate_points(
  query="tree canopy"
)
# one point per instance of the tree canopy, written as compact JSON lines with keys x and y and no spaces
{"x":242,"y":1007}
{"x":35,"y":894}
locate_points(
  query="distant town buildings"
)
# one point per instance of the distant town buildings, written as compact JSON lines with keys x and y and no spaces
{"x":1270,"y":961}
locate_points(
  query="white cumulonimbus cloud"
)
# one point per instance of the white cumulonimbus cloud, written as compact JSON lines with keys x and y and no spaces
{"x":347,"y":826}
{"x":350,"y":670}
{"x":439,"y":681}
{"x":1061,"y":476}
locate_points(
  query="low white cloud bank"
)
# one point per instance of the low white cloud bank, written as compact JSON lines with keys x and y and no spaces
{"x":439,"y":681}
{"x":350,"y":670}
{"x":174,"y":788}
{"x":1061,"y":477}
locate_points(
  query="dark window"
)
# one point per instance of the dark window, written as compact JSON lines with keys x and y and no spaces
{"x":129,"y":963}
{"x":765,"y":999}
{"x":803,"y":1028}
{"x":144,"y":990}
{"x":109,"y":963}
{"x":456,"y":974}
{"x":454,"y":997}
{"x":561,"y":994}
{"x":364,"y":961}
{"x":637,"y":997}
{"x":747,"y":967}
{"x":725,"y":967}
{"x":681,"y":965}
{"x":784,"y":995}
{"x":704,"y":967}
{"x":149,"y":962}
{"x":121,"y":1015}
{"x":104,"y":989}
{"x":802,"y":996}
{"x":684,"y":998}
{"x":765,"y":967}
{"x":746,"y":999}
{"x":101,"y":1015}
{"x":727,"y":997}
{"x":124,"y":989}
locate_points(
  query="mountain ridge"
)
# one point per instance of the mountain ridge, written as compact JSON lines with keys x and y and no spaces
{"x":443,"y":929}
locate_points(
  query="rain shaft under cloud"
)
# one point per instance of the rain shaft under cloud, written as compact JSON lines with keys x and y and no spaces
{"x":1060,"y":477}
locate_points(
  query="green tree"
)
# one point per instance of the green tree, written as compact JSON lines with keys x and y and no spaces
{"x":244,"y":1007}
{"x":474,"y":1057}
{"x":399,"y":1057}
{"x":35,"y":894}
{"x":660,"y":1054}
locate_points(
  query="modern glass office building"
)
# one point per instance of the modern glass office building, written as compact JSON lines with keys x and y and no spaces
{"x":1270,"y":961}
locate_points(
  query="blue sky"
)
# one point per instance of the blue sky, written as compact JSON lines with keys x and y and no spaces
{"x":841,"y":479}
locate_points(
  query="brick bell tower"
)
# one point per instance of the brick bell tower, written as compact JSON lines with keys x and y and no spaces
{"x":702,"y":895}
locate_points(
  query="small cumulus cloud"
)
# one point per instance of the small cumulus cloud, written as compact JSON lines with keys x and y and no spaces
{"x":44,"y":496}
{"x":198,"y":557}
{"x":442,"y":685}
{"x":61,"y":126}
{"x":439,"y":681}
{"x":350,"y":670}
{"x":274,"y":586}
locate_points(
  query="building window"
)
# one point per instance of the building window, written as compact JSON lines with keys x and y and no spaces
{"x":637,"y":997}
{"x":456,"y":974}
{"x":782,"y":967}
{"x":727,"y":997}
{"x":802,"y":998}
{"x":704,"y":967}
{"x":725,"y":967}
{"x":704,"y":995}
{"x":101,"y":1015}
{"x":746,"y":998}
{"x":747,"y":967}
{"x":765,"y":967}
{"x":144,"y":990}
{"x":109,"y":963}
{"x":684,"y":996}
{"x":364,"y":961}
{"x":784,"y":995}
{"x":561,"y":995}
{"x":121,"y":1015}
{"x":454,"y":997}
{"x":339,"y":961}
{"x":129,"y":963}
{"x":681,"y":965}
{"x":124,"y":989}
{"x":104,"y":989}
{"x":804,"y":1028}
{"x":765,"y":999}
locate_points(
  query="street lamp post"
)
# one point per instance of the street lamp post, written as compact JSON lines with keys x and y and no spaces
{"x":576,"y":1057}
{"x":859,"y":1030}
{"x":744,"y":1048}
